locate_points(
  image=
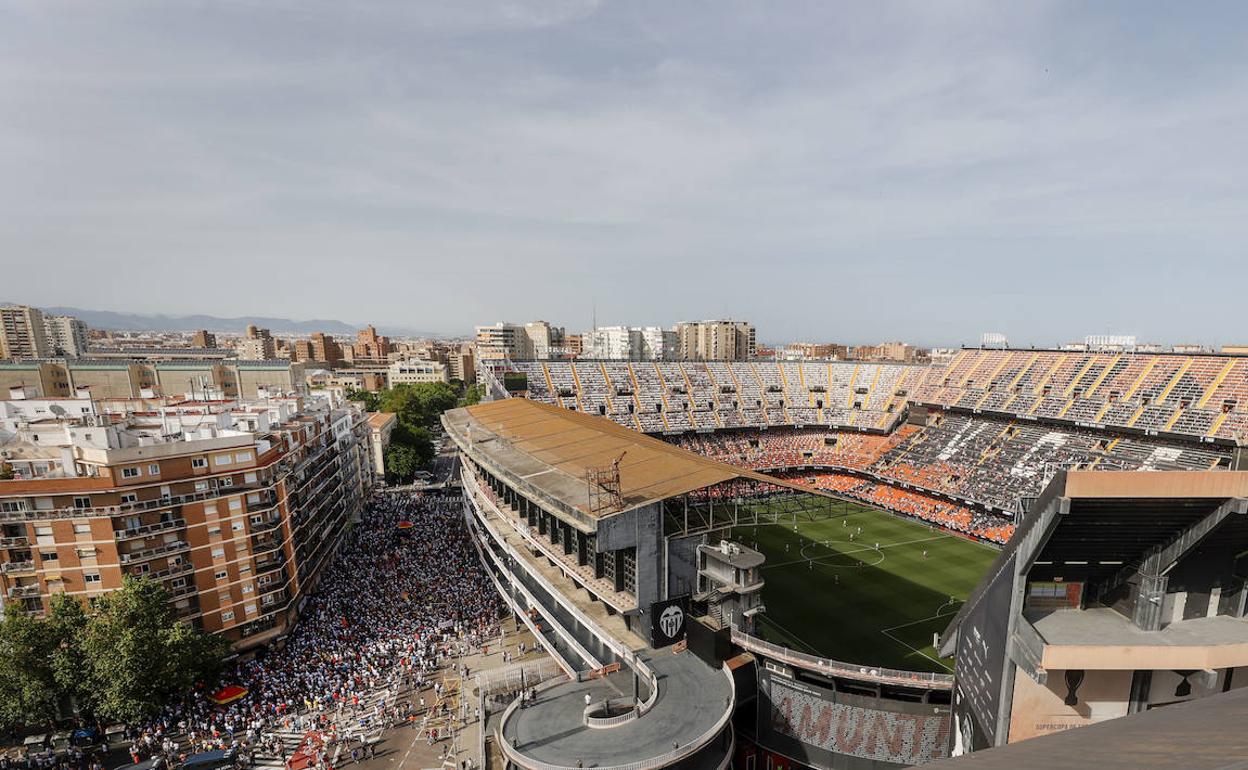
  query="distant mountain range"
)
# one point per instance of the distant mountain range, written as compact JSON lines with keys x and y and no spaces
{"x":142,"y":322}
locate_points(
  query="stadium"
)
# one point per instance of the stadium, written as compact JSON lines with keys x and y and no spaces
{"x":831,"y":521}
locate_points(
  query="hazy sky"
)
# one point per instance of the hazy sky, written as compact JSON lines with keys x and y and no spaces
{"x":832,"y":171}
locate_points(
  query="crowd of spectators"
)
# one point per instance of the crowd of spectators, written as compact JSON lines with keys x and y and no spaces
{"x":397,"y":604}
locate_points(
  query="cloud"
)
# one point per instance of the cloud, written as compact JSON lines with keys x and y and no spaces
{"x":835,"y":172}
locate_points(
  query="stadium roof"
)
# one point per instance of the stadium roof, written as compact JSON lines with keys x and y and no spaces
{"x":1204,"y":734}
{"x":551,"y":448}
{"x":1114,"y":517}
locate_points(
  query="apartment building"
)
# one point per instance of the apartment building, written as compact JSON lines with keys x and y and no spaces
{"x":258,"y":345}
{"x":813,"y":351}
{"x":716,"y":340}
{"x":370,"y":346}
{"x":22,"y":333}
{"x":133,"y":378}
{"x":236,"y":506}
{"x":625,"y":343}
{"x":416,"y":370}
{"x":503,"y":341}
{"x":67,"y":336}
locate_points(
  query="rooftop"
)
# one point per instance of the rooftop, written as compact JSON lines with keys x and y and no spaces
{"x":552,"y":448}
{"x":1203,"y":734}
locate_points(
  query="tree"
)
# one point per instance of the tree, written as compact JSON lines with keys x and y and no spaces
{"x":28,"y":692}
{"x":402,"y":462}
{"x":137,"y":656}
{"x":472,"y":395}
{"x":372,"y":401}
{"x":65,"y":625}
{"x":420,"y":404}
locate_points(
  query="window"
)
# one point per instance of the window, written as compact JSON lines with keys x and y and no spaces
{"x":131,"y":473}
{"x":236,"y":503}
{"x":242,"y":457}
{"x":82,"y":502}
{"x":128,"y":498}
{"x":237,"y":526}
{"x":221,"y":575}
{"x":214,"y":531}
{"x":247,"y":588}
{"x":12,"y":506}
{"x":250,"y":477}
{"x":86,"y":553}
{"x":218,"y":553}
{"x":48,"y":556}
{"x":178,"y":582}
{"x":227,"y":615}
{"x":153,"y":469}
{"x":250,"y":609}
{"x":224,"y":459}
{"x":82,"y":529}
{"x":199,"y":462}
{"x":91,"y":577}
{"x":201,"y":486}
{"x":227,"y":481}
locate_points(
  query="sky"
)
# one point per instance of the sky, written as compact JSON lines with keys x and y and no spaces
{"x":853,"y":172}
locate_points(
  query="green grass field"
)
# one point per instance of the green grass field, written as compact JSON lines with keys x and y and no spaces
{"x":840,"y":598}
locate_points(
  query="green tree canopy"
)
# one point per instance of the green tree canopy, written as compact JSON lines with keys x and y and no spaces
{"x":420,"y":404}
{"x":28,"y":693}
{"x":371,"y":401}
{"x":136,"y":656}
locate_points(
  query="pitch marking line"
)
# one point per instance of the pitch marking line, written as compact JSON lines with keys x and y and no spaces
{"x":856,"y":550}
{"x":940,"y":613}
{"x":809,"y":648}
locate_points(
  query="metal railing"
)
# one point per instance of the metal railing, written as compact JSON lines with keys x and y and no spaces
{"x":606,"y":723}
{"x":18,"y":541}
{"x":11,"y":567}
{"x":151,"y":553}
{"x":148,"y":529}
{"x":829,"y":667}
{"x":22,"y":592}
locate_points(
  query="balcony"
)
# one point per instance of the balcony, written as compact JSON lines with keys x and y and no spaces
{"x":265,"y":544}
{"x":271,"y":563}
{"x":148,"y":529}
{"x":17,"y":567}
{"x":19,"y":541}
{"x":186,"y":590}
{"x":172,"y":570}
{"x":23,"y":592}
{"x":151,"y":553}
{"x":137,"y":506}
{"x":267,"y":524}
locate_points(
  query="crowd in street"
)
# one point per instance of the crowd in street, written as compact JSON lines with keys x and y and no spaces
{"x":395,"y":606}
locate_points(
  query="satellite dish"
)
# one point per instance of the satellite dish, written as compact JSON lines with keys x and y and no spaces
{"x":57,"y":410}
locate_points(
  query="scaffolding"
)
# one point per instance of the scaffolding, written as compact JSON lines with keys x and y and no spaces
{"x":604,"y":488}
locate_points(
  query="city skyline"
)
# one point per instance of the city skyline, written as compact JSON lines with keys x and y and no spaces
{"x":829,"y":173}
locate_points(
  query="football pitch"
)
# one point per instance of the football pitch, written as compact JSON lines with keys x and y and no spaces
{"x":830,"y":592}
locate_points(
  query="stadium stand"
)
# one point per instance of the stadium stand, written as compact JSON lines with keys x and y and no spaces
{"x":1185,"y":396}
{"x":984,"y":433}
{"x":672,"y":396}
